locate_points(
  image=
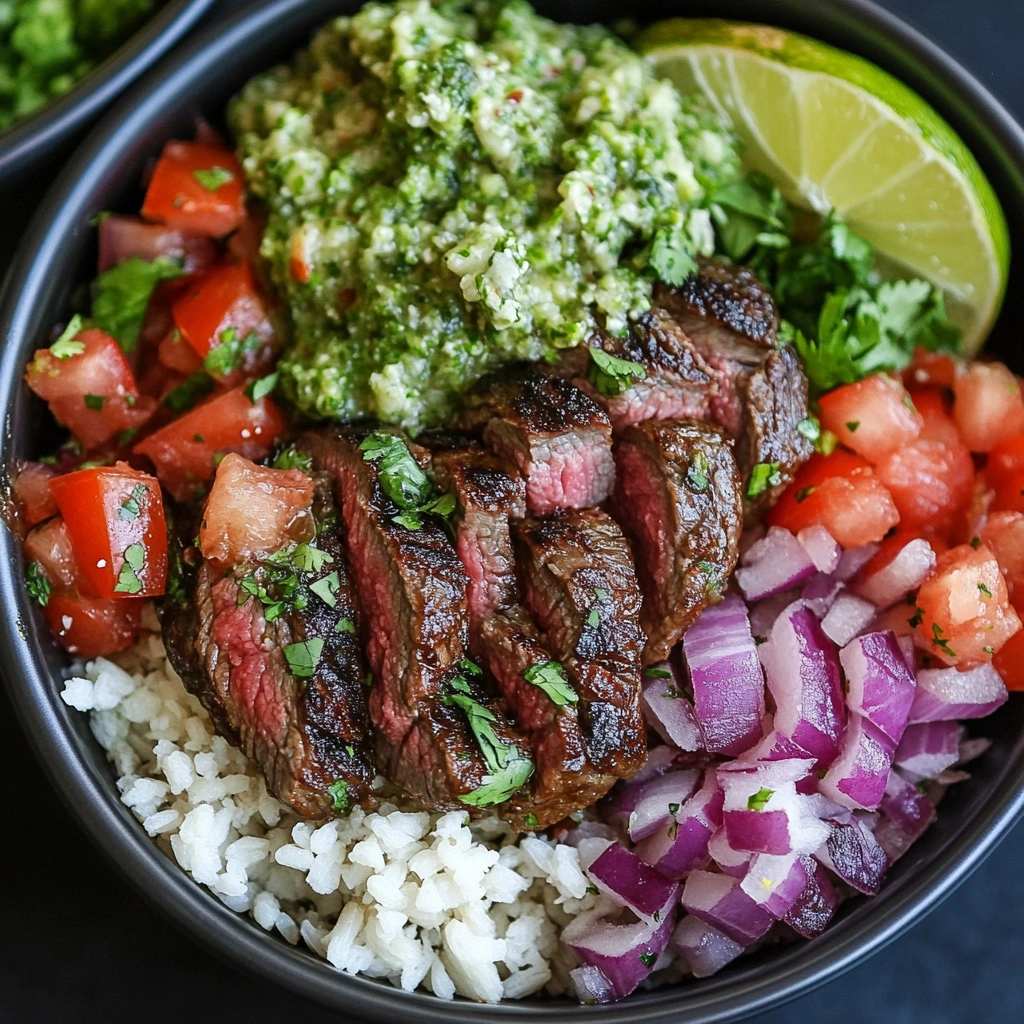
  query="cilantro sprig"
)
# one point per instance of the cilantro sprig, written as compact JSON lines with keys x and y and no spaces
{"x":550,"y":677}
{"x":611,"y":375}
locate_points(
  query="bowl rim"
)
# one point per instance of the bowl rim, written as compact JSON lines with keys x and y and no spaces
{"x":39,"y":134}
{"x":93,"y":800}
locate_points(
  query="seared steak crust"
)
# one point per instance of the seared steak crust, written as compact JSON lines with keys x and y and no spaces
{"x":678,"y":498}
{"x":558,"y":439}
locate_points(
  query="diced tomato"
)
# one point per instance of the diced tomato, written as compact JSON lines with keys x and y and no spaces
{"x":115,"y":518}
{"x":197,"y":188}
{"x":93,"y":392}
{"x":841,"y":493}
{"x":1003,"y":535}
{"x":1009,"y":493}
{"x":185,"y":451}
{"x":892,"y":545}
{"x":1009,"y":661}
{"x":972,"y":522}
{"x":31,"y":488}
{"x":1006,"y":459}
{"x":50,"y":546}
{"x":965,"y":611}
{"x":935,"y":407}
{"x":92,"y":627}
{"x":254,"y":510}
{"x":221,"y":316}
{"x":931,"y":483}
{"x":176,"y":354}
{"x":932,"y":368}
{"x":988,"y":408}
{"x":873,"y":416}
{"x":122,"y":238}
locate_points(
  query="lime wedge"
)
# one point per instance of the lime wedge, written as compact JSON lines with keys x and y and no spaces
{"x":836,"y":132}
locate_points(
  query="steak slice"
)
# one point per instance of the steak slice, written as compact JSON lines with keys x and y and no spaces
{"x":412,"y":589}
{"x":510,"y":646}
{"x":678,"y":498}
{"x":580,"y":585}
{"x":677,"y":383}
{"x":558,"y":438}
{"x":487,"y":498}
{"x":310,"y":736}
{"x":762,"y":390}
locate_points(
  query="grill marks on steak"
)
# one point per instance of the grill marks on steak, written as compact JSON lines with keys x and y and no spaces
{"x":413,"y":592}
{"x":558,"y":439}
{"x":305,"y":734}
{"x":678,"y":498}
{"x":580,"y":585}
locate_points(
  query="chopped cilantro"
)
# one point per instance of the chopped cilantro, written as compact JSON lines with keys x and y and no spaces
{"x":444,"y":506}
{"x":611,"y":375}
{"x":459,"y":684}
{"x":65,"y":346}
{"x":673,"y":809}
{"x":131,"y":507}
{"x":647,"y":958}
{"x":804,"y":493}
{"x":292,"y":458}
{"x":653,"y":672}
{"x":128,"y":581}
{"x":550,"y":677}
{"x":594,"y":617}
{"x":188,"y":392}
{"x":471,"y":668}
{"x":341,"y":801}
{"x":38,"y":586}
{"x":759,"y":799}
{"x":212,"y":178}
{"x":940,"y":642}
{"x":410,"y":519}
{"x":309,"y":558}
{"x":763,"y":476}
{"x":304,"y":656}
{"x":672,"y":255}
{"x":915,"y":620}
{"x":257,"y":389}
{"x":698,"y":475}
{"x":94,"y":402}
{"x":975,"y":543}
{"x":530,"y":820}
{"x":121,"y":294}
{"x":989,"y":650}
{"x":852,"y":426}
{"x":758,"y":639}
{"x":345,"y":626}
{"x":986,"y":593}
{"x":127,"y":436}
{"x":810,"y":428}
{"x":327,"y":589}
{"x":229,"y":354}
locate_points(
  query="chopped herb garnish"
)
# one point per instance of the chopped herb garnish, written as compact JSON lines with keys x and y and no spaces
{"x":258,"y":389}
{"x":550,"y":677}
{"x":65,"y":346}
{"x":763,"y":476}
{"x":940,"y":642}
{"x":647,"y":958}
{"x":131,"y":507}
{"x":459,"y":684}
{"x":975,"y":543}
{"x":128,"y":581}
{"x":530,"y":820}
{"x":212,"y":178}
{"x":611,"y":375}
{"x":410,"y":519}
{"x":188,"y":392}
{"x":94,"y":402}
{"x":653,"y":672}
{"x":127,"y":436}
{"x":443,"y":506}
{"x":810,"y":428}
{"x":121,"y":294}
{"x":327,"y":589}
{"x":38,"y":586}
{"x":594,"y":617}
{"x":304,"y":656}
{"x":292,"y":458}
{"x":471,"y":668}
{"x":804,"y":493}
{"x":916,"y":619}
{"x":673,"y":809}
{"x":989,"y":650}
{"x":229,"y":354}
{"x":852,"y":426}
{"x":986,"y":593}
{"x":759,"y":799}
{"x":592,"y":889}
{"x":341,"y":801}
{"x":698,"y":475}
{"x":345,"y":626}
{"x":309,"y":558}
{"x":758,"y":639}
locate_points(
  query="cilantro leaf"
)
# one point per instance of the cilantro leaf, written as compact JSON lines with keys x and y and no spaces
{"x":121,"y":294}
{"x":212,"y":178}
{"x":131,"y":507}
{"x":698,"y":475}
{"x":309,"y":558}
{"x":502,"y":783}
{"x":128,"y":581}
{"x":345,"y":626}
{"x":292,"y":458}
{"x":763,"y":476}
{"x":36,"y":583}
{"x":341,"y":801}
{"x":258,"y":389}
{"x":550,"y":677}
{"x":653,"y":672}
{"x":304,"y":656}
{"x":672,"y":255}
{"x":611,"y":375}
{"x":327,"y":589}
{"x":401,"y":478}
{"x":758,"y":801}
{"x":189,"y":391}
{"x":530,"y":820}
{"x":65,"y":346}
{"x":94,"y":402}
{"x":229,"y":354}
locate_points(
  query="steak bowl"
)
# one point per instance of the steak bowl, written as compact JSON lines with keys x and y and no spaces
{"x":56,"y":256}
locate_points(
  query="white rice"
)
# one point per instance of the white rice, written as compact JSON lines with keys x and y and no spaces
{"x":423,"y":900}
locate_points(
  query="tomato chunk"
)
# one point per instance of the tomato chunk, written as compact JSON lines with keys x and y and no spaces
{"x":841,"y":493}
{"x":1006,"y":459}
{"x":221,"y":316}
{"x":873,"y":416}
{"x":196,"y":187}
{"x":988,"y":408}
{"x":964,"y":611}
{"x":115,"y":518}
{"x":32,"y":489}
{"x":935,"y":408}
{"x":1009,"y":662}
{"x":1009,"y":492}
{"x":185,"y":452}
{"x":1003,"y":535}
{"x":931,"y":483}
{"x":254,"y":511}
{"x":932,"y":368}
{"x":89,"y":387}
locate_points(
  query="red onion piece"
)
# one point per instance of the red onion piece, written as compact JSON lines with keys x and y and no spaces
{"x":730,"y":861}
{"x":669,"y":713}
{"x":631,"y":883}
{"x":821,"y":547}
{"x":879,"y":685}
{"x":718,"y":900}
{"x":764,"y":613}
{"x":775,"y":882}
{"x":592,"y":985}
{"x":848,"y":616}
{"x":972,"y":748}
{"x":927,"y":749}
{"x":853,"y":560}
{"x":728,"y":684}
{"x":775,"y":746}
{"x":775,"y":563}
{"x":683,"y":845}
{"x":820,"y":593}
{"x":659,"y":802}
{"x":122,"y":238}
{"x":764,"y":831}
{"x":906,"y":813}
{"x":857,"y":776}
{"x":853,"y":853}
{"x":909,"y":653}
{"x":624,"y":798}
{"x":704,"y":949}
{"x":587,"y":829}
{"x":815,"y":906}
{"x":904,"y":573}
{"x":946,"y":693}
{"x":802,"y":666}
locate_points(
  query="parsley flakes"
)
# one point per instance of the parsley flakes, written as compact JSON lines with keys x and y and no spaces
{"x":38,"y":586}
{"x":699,"y":474}
{"x":131,"y":507}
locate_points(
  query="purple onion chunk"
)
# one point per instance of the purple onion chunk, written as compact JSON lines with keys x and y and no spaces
{"x":759,"y":831}
{"x":879,"y":685}
{"x":848,"y":616}
{"x":728,"y":684}
{"x":668,"y":711}
{"x":627,"y":880}
{"x":775,"y":563}
{"x":719,"y":900}
{"x":802,"y":666}
{"x":906,"y":813}
{"x":858,"y":775}
{"x":704,"y":949}
{"x":904,"y":573}
{"x":816,"y":905}
{"x":775,"y":882}
{"x":853,"y":560}
{"x":947,"y":693}
{"x":592,"y":985}
{"x":730,"y":861}
{"x":821,"y":547}
{"x":927,"y":749}
{"x":852,"y":853}
{"x":659,"y":801}
{"x":820,"y":592}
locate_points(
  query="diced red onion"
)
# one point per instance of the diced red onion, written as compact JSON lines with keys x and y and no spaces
{"x":822,"y":548}
{"x":775,"y":746}
{"x":744,"y":777}
{"x":946,"y":693}
{"x":906,"y":813}
{"x":927,"y":749}
{"x":848,"y":616}
{"x":802,"y":666}
{"x":764,"y":613}
{"x":853,"y":853}
{"x":728,"y":684}
{"x":122,"y":238}
{"x":592,"y":985}
{"x":973,"y":748}
{"x":659,"y":802}
{"x":909,"y":653}
{"x":815,"y":906}
{"x":904,"y":573}
{"x":857,"y":776}
{"x":775,"y":563}
{"x":775,"y":882}
{"x":732,"y":862}
{"x":820,"y":592}
{"x":683,"y":844}
{"x":587,"y":829}
{"x":719,"y":900}
{"x":764,"y":831}
{"x":671,"y":714}
{"x":853,"y":560}
{"x":879,"y":685}
{"x":704,"y":949}
{"x":631,"y":883}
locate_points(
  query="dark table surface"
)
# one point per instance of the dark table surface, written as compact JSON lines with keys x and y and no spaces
{"x":77,"y":944}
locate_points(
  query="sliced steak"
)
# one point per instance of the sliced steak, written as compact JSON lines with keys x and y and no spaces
{"x":678,"y":497}
{"x":557,"y":437}
{"x":412,"y":589}
{"x":580,"y":585}
{"x":487,"y":498}
{"x":677,"y":383}
{"x":309,"y":735}
{"x":510,"y":647}
{"x":762,"y":390}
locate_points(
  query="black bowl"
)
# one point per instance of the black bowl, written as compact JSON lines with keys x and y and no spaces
{"x":58,"y":253}
{"x":61,"y":123}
